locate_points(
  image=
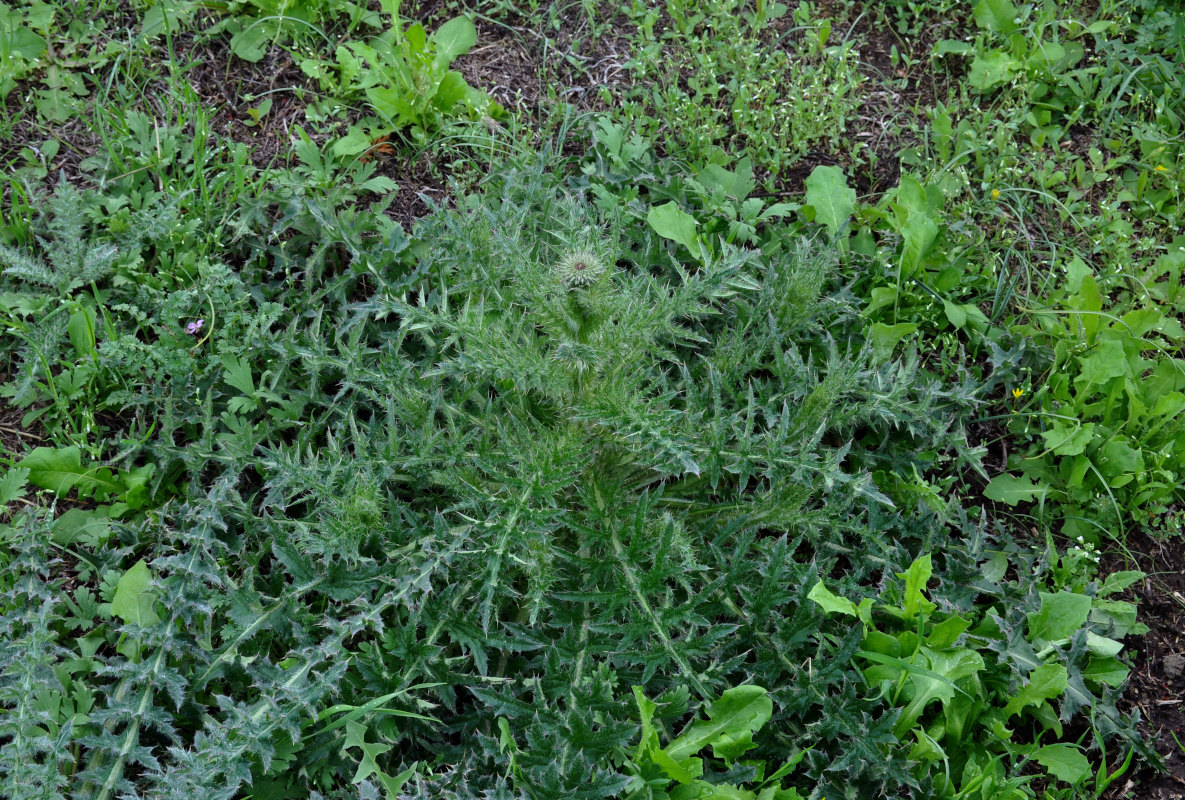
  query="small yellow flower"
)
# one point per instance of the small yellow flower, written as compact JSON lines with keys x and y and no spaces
{"x":1018,"y":393}
{"x":995,"y":193}
{"x":1161,"y":168}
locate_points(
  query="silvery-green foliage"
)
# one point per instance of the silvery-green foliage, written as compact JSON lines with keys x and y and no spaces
{"x":483,"y":502}
{"x":573,"y":487}
{"x":34,"y":736}
{"x":74,"y":259}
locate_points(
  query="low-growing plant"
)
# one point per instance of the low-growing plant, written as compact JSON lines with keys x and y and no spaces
{"x":549,"y":457}
{"x":673,"y":770}
{"x":976,"y":687}
{"x":1107,"y":443}
{"x":403,"y":78}
{"x":254,"y":25}
{"x":770,"y":98}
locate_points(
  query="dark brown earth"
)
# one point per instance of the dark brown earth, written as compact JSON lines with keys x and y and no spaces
{"x":1157,"y":684}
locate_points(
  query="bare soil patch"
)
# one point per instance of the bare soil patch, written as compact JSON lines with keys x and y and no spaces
{"x":1157,"y":684}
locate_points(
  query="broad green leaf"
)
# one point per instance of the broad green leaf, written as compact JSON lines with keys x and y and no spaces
{"x":946,"y":46}
{"x":134,"y":597}
{"x":954,"y":313}
{"x":646,"y":709}
{"x":452,"y":90}
{"x":947,"y":632}
{"x":1012,"y":490}
{"x":1046,"y":682}
{"x":81,"y":328}
{"x":776,"y":793}
{"x":938,"y":680}
{"x":1119,"y":613}
{"x":1089,"y":301}
{"x":991,"y":69}
{"x":1065,"y":438}
{"x":1120,"y":459}
{"x":828,"y":193}
{"x":925,"y":748}
{"x":702,"y":790}
{"x":998,"y":16}
{"x":671,"y":222}
{"x":166,"y":16}
{"x":881,"y":297}
{"x":22,"y":42}
{"x":885,"y":337}
{"x":917,"y":237}
{"x":250,"y":43}
{"x":683,"y":771}
{"x":1139,"y":322}
{"x":788,"y":767}
{"x":454,"y":38}
{"x":965,"y":315}
{"x":79,"y":526}
{"x":356,"y":737}
{"x":737,"y":183}
{"x":1046,"y":55}
{"x":415,"y":38}
{"x":1107,"y":361}
{"x":506,"y":741}
{"x":729,"y":728}
{"x":55,"y":105}
{"x":389,"y":102}
{"x":353,"y":143}
{"x":1076,"y":273}
{"x":60,"y":469}
{"x":1101,"y":645}
{"x":1110,"y":671}
{"x":1064,"y":761}
{"x":1061,"y":616}
{"x":1169,"y":404}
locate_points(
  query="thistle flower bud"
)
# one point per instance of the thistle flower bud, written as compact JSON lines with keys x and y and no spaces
{"x":580,"y":268}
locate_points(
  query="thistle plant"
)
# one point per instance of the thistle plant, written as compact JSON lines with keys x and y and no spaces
{"x":543,"y":463}
{"x":575,"y":433}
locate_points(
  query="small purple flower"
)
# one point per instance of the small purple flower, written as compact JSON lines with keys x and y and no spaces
{"x":194,"y":328}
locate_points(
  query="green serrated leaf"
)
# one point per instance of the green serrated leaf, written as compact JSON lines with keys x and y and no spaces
{"x":731,"y":722}
{"x":1047,"y":682}
{"x":916,"y":578}
{"x":1012,"y":490}
{"x":12,"y":485}
{"x":1064,"y":761}
{"x":830,"y":602}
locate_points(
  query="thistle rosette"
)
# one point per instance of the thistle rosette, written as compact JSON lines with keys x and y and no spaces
{"x":580,"y":268}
